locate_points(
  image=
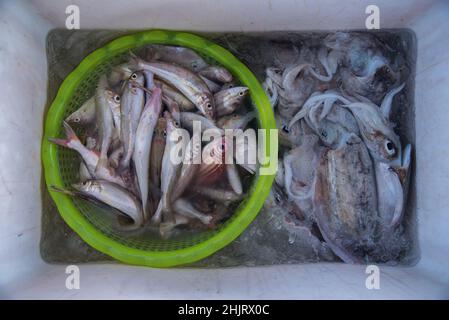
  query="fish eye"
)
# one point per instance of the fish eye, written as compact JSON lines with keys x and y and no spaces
{"x":285,"y":129}
{"x":208,"y":106}
{"x":241,"y":93}
{"x":164,"y":133}
{"x":176,"y":124}
{"x":194,"y":65}
{"x":323,"y":134}
{"x":117,"y":98}
{"x":77,"y":120}
{"x":235,"y":115}
{"x":389,"y":146}
{"x":134,"y":76}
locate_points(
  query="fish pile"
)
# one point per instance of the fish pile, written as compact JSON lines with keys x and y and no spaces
{"x":127,"y":144}
{"x":343,"y":167}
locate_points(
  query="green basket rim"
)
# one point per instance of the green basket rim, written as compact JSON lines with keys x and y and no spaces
{"x":82,"y":226}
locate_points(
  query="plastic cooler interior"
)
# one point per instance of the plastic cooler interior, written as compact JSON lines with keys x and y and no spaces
{"x":23,"y":274}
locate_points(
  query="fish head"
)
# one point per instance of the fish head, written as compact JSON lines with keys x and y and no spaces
{"x":120,"y":73}
{"x":238,"y":93}
{"x":112,"y":98}
{"x":222,"y":74}
{"x":77,"y":117}
{"x":89,"y":186}
{"x":160,"y":131}
{"x":206,"y":103}
{"x":216,"y":152}
{"x":136,"y":78}
{"x":197,"y":64}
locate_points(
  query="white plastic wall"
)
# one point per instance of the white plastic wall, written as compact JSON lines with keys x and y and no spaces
{"x":23,"y":274}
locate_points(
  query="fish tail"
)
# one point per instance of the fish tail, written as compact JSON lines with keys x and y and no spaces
{"x":59,"y":142}
{"x":70,"y":136}
{"x":134,"y":61}
{"x":62,"y":190}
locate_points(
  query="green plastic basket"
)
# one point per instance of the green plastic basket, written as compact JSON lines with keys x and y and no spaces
{"x":62,"y":165}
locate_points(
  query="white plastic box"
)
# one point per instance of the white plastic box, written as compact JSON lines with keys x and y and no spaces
{"x":23,"y":71}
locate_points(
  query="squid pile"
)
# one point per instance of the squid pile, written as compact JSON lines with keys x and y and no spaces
{"x":343,"y":166}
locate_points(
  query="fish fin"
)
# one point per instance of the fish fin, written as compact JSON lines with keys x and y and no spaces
{"x":165,"y":229}
{"x":157,"y":217}
{"x":102,"y":163}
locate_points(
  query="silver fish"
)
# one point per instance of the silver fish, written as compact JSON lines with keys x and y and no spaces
{"x":156,"y":155}
{"x":85,"y":115}
{"x":184,"y":207}
{"x":105,"y":100}
{"x":228,"y":85}
{"x":227,"y":101}
{"x":212,"y":166}
{"x":142,"y":147}
{"x":220,"y":195}
{"x":132,"y":104}
{"x":167,"y":90}
{"x":169,"y":173}
{"x":182,"y":56}
{"x":188,"y":118}
{"x":173,"y":108}
{"x":236,"y":121}
{"x":115,"y":197}
{"x":212,"y":86}
{"x":190,"y":165}
{"x":216,"y":74}
{"x":345,"y":200}
{"x":166,"y":228}
{"x":187,"y":82}
{"x":117,"y":117}
{"x":90,"y":157}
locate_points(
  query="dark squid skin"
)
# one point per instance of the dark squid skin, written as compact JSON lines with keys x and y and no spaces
{"x":345,"y":200}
